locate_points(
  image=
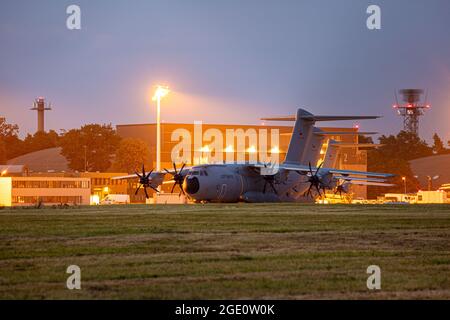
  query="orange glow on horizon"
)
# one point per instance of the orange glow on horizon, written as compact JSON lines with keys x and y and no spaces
{"x":275,"y":150}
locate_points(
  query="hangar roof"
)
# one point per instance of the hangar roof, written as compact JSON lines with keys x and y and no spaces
{"x":437,"y":165}
{"x":43,"y":161}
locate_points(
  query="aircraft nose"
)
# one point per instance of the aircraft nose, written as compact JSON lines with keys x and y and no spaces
{"x":191,"y":185}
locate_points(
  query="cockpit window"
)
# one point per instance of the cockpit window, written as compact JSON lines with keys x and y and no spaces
{"x":195,"y":173}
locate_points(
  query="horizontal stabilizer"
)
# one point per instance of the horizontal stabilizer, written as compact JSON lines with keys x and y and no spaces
{"x":335,"y":133}
{"x":343,"y":133}
{"x":320,"y":118}
{"x":337,"y":118}
{"x":356,"y":145}
{"x":368,"y":183}
{"x":286,"y":118}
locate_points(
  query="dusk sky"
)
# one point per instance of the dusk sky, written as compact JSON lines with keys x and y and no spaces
{"x":231,"y":61}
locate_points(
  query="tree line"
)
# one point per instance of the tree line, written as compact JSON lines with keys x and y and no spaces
{"x":93,"y":147}
{"x":393,"y":156}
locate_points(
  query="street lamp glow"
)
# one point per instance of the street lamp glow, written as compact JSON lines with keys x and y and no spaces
{"x":161,"y":92}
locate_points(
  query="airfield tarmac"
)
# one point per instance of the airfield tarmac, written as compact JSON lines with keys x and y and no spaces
{"x":280,"y":251}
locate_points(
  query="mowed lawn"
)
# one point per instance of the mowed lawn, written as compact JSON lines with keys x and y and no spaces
{"x":281,"y":251}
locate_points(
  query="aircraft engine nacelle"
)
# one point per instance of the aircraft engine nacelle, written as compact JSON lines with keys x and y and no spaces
{"x":346,"y":187}
{"x":326,"y":180}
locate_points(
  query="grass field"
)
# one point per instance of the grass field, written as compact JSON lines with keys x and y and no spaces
{"x":281,"y":251}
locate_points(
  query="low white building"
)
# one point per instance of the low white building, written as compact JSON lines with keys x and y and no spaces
{"x":25,"y":191}
{"x":432,"y":197}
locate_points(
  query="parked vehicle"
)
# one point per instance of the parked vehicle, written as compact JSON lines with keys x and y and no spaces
{"x":116,"y":199}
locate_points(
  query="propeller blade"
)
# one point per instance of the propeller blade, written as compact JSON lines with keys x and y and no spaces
{"x":138,"y":174}
{"x":175,"y":167}
{"x":173,"y":187}
{"x":156,"y":190}
{"x":167,"y":171}
{"x":307,"y":192}
{"x":273,"y":188}
{"x":137,"y":190}
{"x":182,"y":167}
{"x":145,"y":190}
{"x":143,"y":170}
{"x":148,"y":175}
{"x":318,"y":190}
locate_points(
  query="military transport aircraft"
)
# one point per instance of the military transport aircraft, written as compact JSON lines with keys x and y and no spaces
{"x":294,"y":180}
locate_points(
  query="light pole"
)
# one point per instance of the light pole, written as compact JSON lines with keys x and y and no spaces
{"x":404,"y":182}
{"x":160,"y":93}
{"x":85,"y":158}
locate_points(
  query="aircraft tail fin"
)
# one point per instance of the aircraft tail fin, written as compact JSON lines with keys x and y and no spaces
{"x":301,"y":134}
{"x":305,"y":136}
{"x":331,"y":155}
{"x":355,"y":145}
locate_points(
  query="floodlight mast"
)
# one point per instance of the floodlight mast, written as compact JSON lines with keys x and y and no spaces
{"x":161,"y":92}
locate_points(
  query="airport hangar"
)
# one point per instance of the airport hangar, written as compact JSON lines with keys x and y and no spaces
{"x":52,"y":182}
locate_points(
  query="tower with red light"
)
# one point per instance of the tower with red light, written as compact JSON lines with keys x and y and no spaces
{"x":40,"y":107}
{"x":411,"y":109}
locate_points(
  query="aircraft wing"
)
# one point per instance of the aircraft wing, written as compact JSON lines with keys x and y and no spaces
{"x":348,"y":178}
{"x":368,"y":183}
{"x":131,"y":176}
{"x":154,"y":174}
{"x":346,"y":173}
{"x":135,"y":176}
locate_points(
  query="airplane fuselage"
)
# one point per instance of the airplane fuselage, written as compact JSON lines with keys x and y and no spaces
{"x":234,"y":183}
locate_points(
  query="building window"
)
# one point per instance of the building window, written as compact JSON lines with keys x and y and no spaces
{"x":48,"y":199}
{"x":42,"y":184}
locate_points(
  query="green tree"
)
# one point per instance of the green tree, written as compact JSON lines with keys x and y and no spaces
{"x":7,"y":129}
{"x":130,"y":156}
{"x":41,"y":141}
{"x":13,"y":146}
{"x":364,"y":139}
{"x":438,"y":145}
{"x":404,"y":145}
{"x":393,"y":157}
{"x":2,"y":151}
{"x":92,"y":144}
